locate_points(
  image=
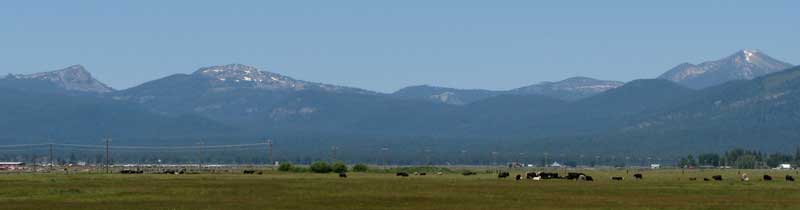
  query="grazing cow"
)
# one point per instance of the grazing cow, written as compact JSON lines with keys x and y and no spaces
{"x":745,"y":178}
{"x":416,"y":173}
{"x":767,"y":177}
{"x":469,"y":173}
{"x":530,"y":175}
{"x":637,"y":176}
{"x":518,"y":177}
{"x":692,"y":179}
{"x":545,"y":175}
{"x":789,"y":178}
{"x":589,"y":179}
{"x":503,"y":174}
{"x":616,"y":178}
{"x":717,"y":177}
{"x":439,"y":173}
{"x":342,"y":175}
{"x":423,"y":174}
{"x":537,"y":178}
{"x":706,"y":179}
{"x":131,"y":171}
{"x":573,"y":175}
{"x":249,"y":171}
{"x":403,"y":174}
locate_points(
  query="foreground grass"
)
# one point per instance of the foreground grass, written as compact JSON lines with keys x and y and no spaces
{"x":668,"y":189}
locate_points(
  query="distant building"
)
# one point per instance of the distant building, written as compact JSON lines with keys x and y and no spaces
{"x":785,"y":166}
{"x":11,"y":165}
{"x":556,"y":164}
{"x":655,"y":166}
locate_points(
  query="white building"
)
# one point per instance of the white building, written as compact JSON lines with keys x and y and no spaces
{"x":655,"y":166}
{"x":785,"y":166}
{"x":12,"y":165}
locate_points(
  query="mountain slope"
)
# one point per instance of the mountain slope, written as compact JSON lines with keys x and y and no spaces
{"x":444,"y":95}
{"x":71,"y":79}
{"x":742,"y":65}
{"x":570,"y":89}
{"x":36,"y":115}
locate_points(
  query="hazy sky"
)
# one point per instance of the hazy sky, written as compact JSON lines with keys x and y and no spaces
{"x":386,"y":45}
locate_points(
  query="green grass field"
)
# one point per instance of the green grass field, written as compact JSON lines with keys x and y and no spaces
{"x":662,"y":189}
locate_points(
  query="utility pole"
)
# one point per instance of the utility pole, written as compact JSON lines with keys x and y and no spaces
{"x":269,"y":148}
{"x":545,"y":159}
{"x":333,"y":153}
{"x":464,"y":155}
{"x":108,"y":160}
{"x":51,"y":157}
{"x":384,"y":150}
{"x":428,"y":156}
{"x":596,"y":160}
{"x":200,"y":158}
{"x":494,"y":158}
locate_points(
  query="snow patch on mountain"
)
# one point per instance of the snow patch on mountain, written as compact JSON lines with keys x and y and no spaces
{"x":73,"y":78}
{"x":742,"y":65}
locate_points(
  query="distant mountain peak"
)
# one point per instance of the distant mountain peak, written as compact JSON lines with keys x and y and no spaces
{"x":744,"y":64}
{"x":569,"y":89}
{"x":239,"y":73}
{"x":72,"y":78}
{"x":236,"y":76}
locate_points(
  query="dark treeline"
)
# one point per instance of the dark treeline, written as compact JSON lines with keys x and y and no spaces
{"x":396,"y":155}
{"x":740,"y":158}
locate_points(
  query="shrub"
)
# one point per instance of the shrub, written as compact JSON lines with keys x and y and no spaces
{"x":360,"y":168}
{"x":339,"y":167}
{"x":321,"y":167}
{"x":285,"y":167}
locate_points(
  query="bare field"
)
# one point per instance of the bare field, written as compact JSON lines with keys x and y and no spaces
{"x":660,"y":189}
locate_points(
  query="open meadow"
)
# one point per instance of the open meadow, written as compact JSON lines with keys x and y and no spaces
{"x":660,"y":189}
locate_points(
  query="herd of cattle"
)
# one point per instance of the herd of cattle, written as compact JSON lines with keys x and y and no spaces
{"x":504,"y":174}
{"x":638,"y":176}
{"x":546,"y":175}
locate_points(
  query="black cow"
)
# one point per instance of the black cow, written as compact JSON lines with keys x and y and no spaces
{"x":130,"y":171}
{"x":692,"y":179}
{"x":403,"y":174}
{"x":342,"y":175}
{"x":530,"y":175}
{"x":518,"y":177}
{"x":573,"y":175}
{"x":616,"y":178}
{"x":546,"y":175}
{"x":706,"y":179}
{"x":170,"y":171}
{"x":589,"y":178}
{"x":767,"y":177}
{"x":249,"y":171}
{"x":789,"y":178}
{"x":503,"y":174}
{"x":637,"y":176}
{"x":469,"y":173}
{"x":717,"y":177}
{"x":423,"y":174}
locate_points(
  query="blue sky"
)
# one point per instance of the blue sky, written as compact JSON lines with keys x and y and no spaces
{"x":387,"y":45}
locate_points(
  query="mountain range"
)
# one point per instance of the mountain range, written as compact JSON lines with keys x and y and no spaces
{"x":740,"y":100}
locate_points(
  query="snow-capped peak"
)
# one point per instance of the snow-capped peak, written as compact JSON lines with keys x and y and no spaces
{"x":744,"y":64}
{"x":240,"y":73}
{"x":749,"y":54}
{"x":74,"y":78}
{"x":232,"y":76}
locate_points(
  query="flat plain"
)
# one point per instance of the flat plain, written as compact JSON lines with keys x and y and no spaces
{"x":660,"y":189}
